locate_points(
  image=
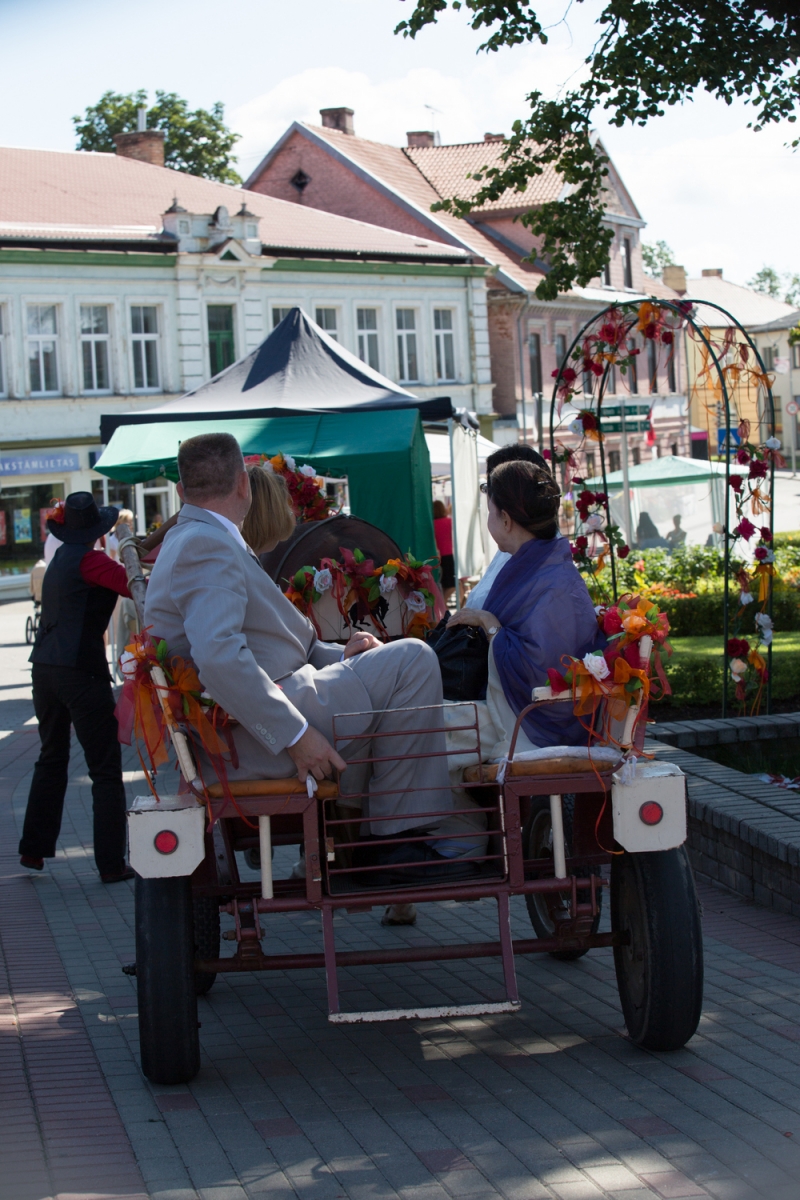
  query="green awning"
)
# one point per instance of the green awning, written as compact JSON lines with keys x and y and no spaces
{"x":383,"y":455}
{"x":669,"y":471}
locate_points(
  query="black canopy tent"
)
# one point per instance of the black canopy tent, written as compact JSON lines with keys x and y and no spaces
{"x":297,"y":370}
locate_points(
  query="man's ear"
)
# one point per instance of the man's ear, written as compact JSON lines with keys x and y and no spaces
{"x":179,"y":490}
{"x":243,"y":488}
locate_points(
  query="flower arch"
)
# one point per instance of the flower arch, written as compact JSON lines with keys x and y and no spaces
{"x":734,"y":387}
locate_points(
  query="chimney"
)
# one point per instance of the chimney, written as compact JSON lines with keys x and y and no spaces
{"x":338,"y":118}
{"x":712,"y":271}
{"x":494,"y":137}
{"x":145,"y":145}
{"x":675,"y":278}
{"x":423,"y":137}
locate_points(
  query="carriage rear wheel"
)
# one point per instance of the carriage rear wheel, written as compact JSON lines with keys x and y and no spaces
{"x":660,"y":970}
{"x":165,"y":977}
{"x":547,"y":909}
{"x":30,"y":630}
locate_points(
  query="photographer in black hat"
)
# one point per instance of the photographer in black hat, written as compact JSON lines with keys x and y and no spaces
{"x":72,"y":686}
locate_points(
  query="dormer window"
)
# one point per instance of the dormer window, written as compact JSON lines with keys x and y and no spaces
{"x":252,"y":231}
{"x":300,"y":181}
{"x":184,"y":228}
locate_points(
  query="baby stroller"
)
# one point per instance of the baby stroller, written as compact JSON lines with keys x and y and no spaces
{"x":35,"y":585}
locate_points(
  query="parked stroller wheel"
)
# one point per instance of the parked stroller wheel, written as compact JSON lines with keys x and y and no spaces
{"x":30,"y":631}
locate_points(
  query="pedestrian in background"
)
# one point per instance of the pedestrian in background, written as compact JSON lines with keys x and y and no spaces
{"x":443,"y":532}
{"x":72,"y":686}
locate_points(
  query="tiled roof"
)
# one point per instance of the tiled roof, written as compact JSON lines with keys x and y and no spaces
{"x":446,"y":168}
{"x":77,"y":195}
{"x":391,"y":165}
{"x":747,"y":306}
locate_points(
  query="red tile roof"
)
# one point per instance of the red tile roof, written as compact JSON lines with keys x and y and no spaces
{"x":446,"y":168}
{"x":77,"y":195}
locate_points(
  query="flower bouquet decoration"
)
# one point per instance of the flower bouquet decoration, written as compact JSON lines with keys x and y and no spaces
{"x":306,"y":488}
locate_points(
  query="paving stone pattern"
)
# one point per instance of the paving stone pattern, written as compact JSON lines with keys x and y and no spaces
{"x":550,"y":1104}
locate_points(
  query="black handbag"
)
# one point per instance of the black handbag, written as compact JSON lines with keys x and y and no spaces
{"x":463,"y":654}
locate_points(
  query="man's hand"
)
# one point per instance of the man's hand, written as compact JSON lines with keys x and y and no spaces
{"x":359,"y":642}
{"x":314,"y":755}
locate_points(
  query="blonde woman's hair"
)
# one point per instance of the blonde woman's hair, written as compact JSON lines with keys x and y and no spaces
{"x":126,"y":515}
{"x":270,"y":518}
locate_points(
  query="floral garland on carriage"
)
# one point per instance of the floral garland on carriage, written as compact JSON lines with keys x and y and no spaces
{"x":307,"y":492}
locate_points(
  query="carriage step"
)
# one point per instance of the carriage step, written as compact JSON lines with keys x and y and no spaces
{"x":424,"y":1014}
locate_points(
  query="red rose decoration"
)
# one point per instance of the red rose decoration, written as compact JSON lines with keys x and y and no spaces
{"x":612,"y":621}
{"x":737,"y":648}
{"x":666,"y":337}
{"x":557,"y":681}
{"x":585,"y":498}
{"x":623,"y":552}
{"x":742,"y":456}
{"x":736,"y":482}
{"x":758,"y":469}
{"x":745,"y":529}
{"x":761,"y":553}
{"x":766,"y":533}
{"x":568,"y":375}
{"x":581,"y":543}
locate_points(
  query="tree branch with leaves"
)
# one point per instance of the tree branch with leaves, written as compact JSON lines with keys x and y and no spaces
{"x":649,"y":55}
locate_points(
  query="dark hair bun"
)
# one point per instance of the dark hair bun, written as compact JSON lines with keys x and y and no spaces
{"x":528,"y":495}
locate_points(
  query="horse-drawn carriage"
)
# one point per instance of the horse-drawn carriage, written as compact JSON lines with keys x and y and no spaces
{"x":562,"y":826}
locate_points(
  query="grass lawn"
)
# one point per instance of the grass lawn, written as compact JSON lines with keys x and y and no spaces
{"x":711,"y":647}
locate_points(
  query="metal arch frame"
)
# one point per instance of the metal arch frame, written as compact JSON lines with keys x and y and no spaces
{"x":689,"y":319}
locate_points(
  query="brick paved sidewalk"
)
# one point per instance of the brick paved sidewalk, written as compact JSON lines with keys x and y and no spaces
{"x":551,"y":1103}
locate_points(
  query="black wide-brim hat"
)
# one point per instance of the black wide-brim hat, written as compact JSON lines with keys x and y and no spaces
{"x":83,"y":520}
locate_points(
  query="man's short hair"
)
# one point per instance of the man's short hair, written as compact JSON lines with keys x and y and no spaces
{"x":516,"y":452}
{"x":209,"y":465}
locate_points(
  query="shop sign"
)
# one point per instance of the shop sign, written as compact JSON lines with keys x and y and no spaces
{"x":38,"y":464}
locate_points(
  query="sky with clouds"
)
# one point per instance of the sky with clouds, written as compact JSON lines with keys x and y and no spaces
{"x":718,"y":194}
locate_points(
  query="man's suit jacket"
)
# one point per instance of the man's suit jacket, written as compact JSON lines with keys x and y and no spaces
{"x":213,"y":603}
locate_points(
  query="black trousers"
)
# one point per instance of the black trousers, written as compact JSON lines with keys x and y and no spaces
{"x":64,"y":696}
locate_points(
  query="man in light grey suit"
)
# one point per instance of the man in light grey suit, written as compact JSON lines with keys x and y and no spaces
{"x":212,"y":602}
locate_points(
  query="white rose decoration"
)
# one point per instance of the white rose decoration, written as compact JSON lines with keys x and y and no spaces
{"x":323,"y":580}
{"x":387,"y":584}
{"x":576,"y":427}
{"x":773,"y":443}
{"x":596,"y":665}
{"x":416,"y":603}
{"x":308,"y":471}
{"x":594,"y":522}
{"x":718,"y":527}
{"x":764,"y":623}
{"x":127,"y":664}
{"x":738,"y":669}
{"x":291,"y":464}
{"x":745,"y":598}
{"x":267,"y":466}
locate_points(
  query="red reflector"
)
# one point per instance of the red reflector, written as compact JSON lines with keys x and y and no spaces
{"x":166,"y":842}
{"x":651,"y":812}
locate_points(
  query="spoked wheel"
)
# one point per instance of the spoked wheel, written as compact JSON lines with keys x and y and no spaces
{"x":30,"y":631}
{"x":206,"y":939}
{"x":660,"y":971}
{"x":548,"y":909}
{"x":168,"y":1038}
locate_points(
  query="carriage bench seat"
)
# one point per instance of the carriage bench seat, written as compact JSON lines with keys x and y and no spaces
{"x":548,"y":760}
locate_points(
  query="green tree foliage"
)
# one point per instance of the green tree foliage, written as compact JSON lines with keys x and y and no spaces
{"x":198,"y":142}
{"x":786,"y":287}
{"x":649,"y":54}
{"x":655,"y":257}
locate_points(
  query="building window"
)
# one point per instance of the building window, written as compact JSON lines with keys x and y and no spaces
{"x":614,"y":461}
{"x":637,"y":456}
{"x":652,"y":366}
{"x":144,"y":342}
{"x":407,"y":364}
{"x":607,"y":274}
{"x":627,"y":265}
{"x":590,"y":467}
{"x":42,"y":341}
{"x":367,"y":321}
{"x":561,"y":349}
{"x":535,"y":358}
{"x":3,"y":381}
{"x":278,"y":314}
{"x":672,"y":382}
{"x":220,"y":337}
{"x":796,"y":355}
{"x":326,"y":319}
{"x":611,"y":381}
{"x":633,"y":372}
{"x":675,"y":449}
{"x":94,"y":348}
{"x":768,"y":355}
{"x":443,"y":342}
{"x":23,"y":513}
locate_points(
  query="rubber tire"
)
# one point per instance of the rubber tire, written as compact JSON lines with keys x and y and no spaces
{"x":660,"y":974}
{"x":206,"y":939}
{"x":542,"y":926}
{"x":168,"y":1037}
{"x":29,"y":630}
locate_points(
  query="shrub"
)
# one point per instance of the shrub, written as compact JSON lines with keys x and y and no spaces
{"x":697,"y":679}
{"x":703,"y":615}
